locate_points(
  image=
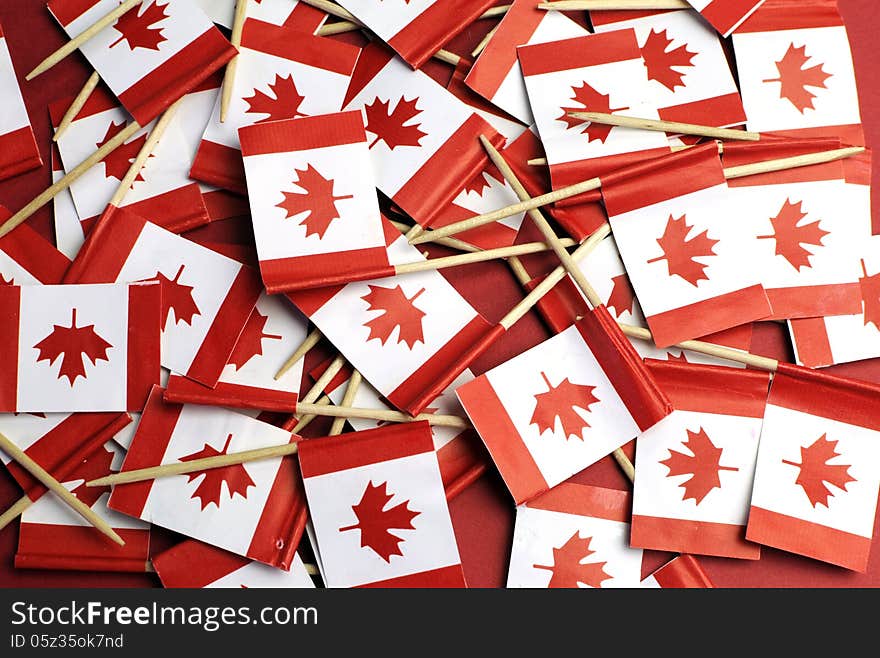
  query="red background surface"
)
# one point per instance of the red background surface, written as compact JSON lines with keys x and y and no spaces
{"x":483,"y":513}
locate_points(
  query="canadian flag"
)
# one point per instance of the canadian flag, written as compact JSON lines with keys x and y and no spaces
{"x":162,"y":190}
{"x":555,"y":409}
{"x":243,"y":508}
{"x":682,"y":572}
{"x":419,"y":29}
{"x":574,"y":536}
{"x":52,"y":536}
{"x":279,"y":12}
{"x":281,"y":73}
{"x":79,"y":348}
{"x":69,"y":235}
{"x":206,"y":297}
{"x":26,"y":258}
{"x":725,"y":15}
{"x":379,"y":510}
{"x":691,"y":81}
{"x":150,"y":56}
{"x":408,"y":335}
{"x":496,"y":75}
{"x":694,"y":469}
{"x":193,"y":564}
{"x":796,"y":71}
{"x":313,"y":202}
{"x":248,"y":380}
{"x":804,"y":231}
{"x":459,"y":452}
{"x":596,"y":73}
{"x":423,"y":140}
{"x":18,"y":146}
{"x":684,"y":251}
{"x":817,"y":475}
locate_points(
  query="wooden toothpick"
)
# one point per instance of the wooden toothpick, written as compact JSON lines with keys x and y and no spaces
{"x":672,"y":127}
{"x":337,"y":28}
{"x":308,"y":343}
{"x":232,"y":66}
{"x":15,"y":511}
{"x":77,"y":105}
{"x":351,"y":390}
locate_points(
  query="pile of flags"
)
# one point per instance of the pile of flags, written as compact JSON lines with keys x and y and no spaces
{"x":245,"y":182}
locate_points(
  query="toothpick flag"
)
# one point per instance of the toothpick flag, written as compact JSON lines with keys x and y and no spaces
{"x":726,"y":15}
{"x":26,"y":258}
{"x":18,"y":146}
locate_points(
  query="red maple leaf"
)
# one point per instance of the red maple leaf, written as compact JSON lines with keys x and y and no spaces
{"x":317,"y":200}
{"x":138,"y":26}
{"x":662,"y":62}
{"x":679,"y":252}
{"x":176,"y":297}
{"x":250,"y":342}
{"x":870,"y":288}
{"x":94,"y":466}
{"x":681,"y":358}
{"x":560,"y":402}
{"x":478,"y":184}
{"x":816,"y":471}
{"x":704,"y":466}
{"x":282,"y":104}
{"x":794,"y":78}
{"x":118,"y":161}
{"x":389,"y":126}
{"x":590,"y":101}
{"x":789,"y":236}
{"x":235,"y":476}
{"x":375,"y":522}
{"x":622,"y":295}
{"x":7,"y":282}
{"x":75,"y":343}
{"x":398,"y":310}
{"x":568,"y":569}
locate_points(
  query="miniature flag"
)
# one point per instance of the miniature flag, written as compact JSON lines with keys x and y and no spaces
{"x":18,"y":146}
{"x":423,"y":141}
{"x":691,"y":81}
{"x":26,"y":258}
{"x":379,"y":510}
{"x":52,"y":536}
{"x":597,"y":73}
{"x":682,"y":572}
{"x":69,"y":235}
{"x":556,"y":409}
{"x":206,"y":297}
{"x":248,"y":380}
{"x":804,"y":231}
{"x":313,"y":202}
{"x":496,"y":75}
{"x":796,"y":71}
{"x":416,"y":31}
{"x":281,"y":74}
{"x":680,"y":240}
{"x":574,"y":536}
{"x":193,"y":564}
{"x":694,"y":470}
{"x":79,"y":348}
{"x":726,"y":15}
{"x":152,"y":55}
{"x":817,"y":475}
{"x":243,"y":508}
{"x":278,"y":12}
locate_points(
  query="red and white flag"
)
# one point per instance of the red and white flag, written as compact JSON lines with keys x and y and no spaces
{"x":694,"y":470}
{"x":416,"y":31}
{"x":796,"y":71}
{"x":313,"y":202}
{"x":279,"y":12}
{"x":684,"y":251}
{"x":379,"y":510}
{"x":248,"y":380}
{"x":691,"y":81}
{"x":556,"y":409}
{"x":69,"y":234}
{"x":818,"y":470}
{"x":18,"y":146}
{"x":725,"y":15}
{"x":682,"y":572}
{"x":496,"y":75}
{"x":162,"y":190}
{"x":79,"y":348}
{"x":52,"y":536}
{"x":423,"y":140}
{"x":596,"y":73}
{"x":243,"y":508}
{"x":805,"y":232}
{"x":574,"y":536}
{"x":193,"y":564}
{"x":152,"y":55}
{"x":206,"y":297}
{"x":281,"y":74}
{"x":26,"y":258}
